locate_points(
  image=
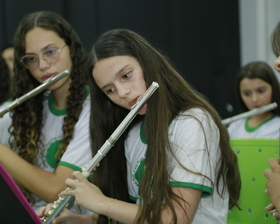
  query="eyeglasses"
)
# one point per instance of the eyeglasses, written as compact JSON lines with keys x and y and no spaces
{"x":31,"y":61}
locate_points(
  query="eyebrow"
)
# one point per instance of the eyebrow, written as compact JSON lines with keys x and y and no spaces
{"x":117,"y":74}
{"x":43,"y":49}
{"x":259,"y":87}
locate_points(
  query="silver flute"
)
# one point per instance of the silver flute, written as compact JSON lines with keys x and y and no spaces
{"x":64,"y":201}
{"x":250,"y":113}
{"x":34,"y":92}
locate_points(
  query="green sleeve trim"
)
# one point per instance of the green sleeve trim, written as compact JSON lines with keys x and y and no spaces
{"x":206,"y":191}
{"x":133,"y":198}
{"x":74,"y":168}
{"x":61,"y":112}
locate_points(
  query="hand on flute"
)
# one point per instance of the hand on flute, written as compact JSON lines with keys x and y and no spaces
{"x":273,"y":211}
{"x":273,"y":184}
{"x":86,"y":194}
{"x":68,"y":217}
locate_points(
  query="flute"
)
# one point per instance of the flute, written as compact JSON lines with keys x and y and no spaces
{"x":64,"y":201}
{"x":253,"y":112}
{"x":34,"y":92}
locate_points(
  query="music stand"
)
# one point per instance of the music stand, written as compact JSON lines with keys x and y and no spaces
{"x":14,"y":206}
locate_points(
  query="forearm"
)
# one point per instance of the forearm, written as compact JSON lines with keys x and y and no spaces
{"x":89,"y":219}
{"x":118,"y":210}
{"x":127,"y":212}
{"x":40,"y":182}
{"x":91,"y":197}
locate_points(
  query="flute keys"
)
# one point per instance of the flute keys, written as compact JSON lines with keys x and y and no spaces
{"x":96,"y":166}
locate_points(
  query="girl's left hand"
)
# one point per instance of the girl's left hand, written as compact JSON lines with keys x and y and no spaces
{"x":273,"y":176}
{"x":86,"y":194}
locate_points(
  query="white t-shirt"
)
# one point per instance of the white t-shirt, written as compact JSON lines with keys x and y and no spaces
{"x":268,"y":129}
{"x":78,"y":153}
{"x":188,"y":140}
{"x":5,"y":123}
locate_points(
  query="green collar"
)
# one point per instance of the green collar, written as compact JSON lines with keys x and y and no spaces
{"x":251,"y":129}
{"x":63,"y":111}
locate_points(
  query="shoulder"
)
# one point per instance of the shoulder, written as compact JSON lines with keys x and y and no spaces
{"x":238,"y":123}
{"x":276,"y":118}
{"x":195,"y":114}
{"x":85,"y":114}
{"x":87,"y":101}
{"x":273,"y":123}
{"x":4,"y":105}
{"x":194,"y":119}
{"x":235,"y":126}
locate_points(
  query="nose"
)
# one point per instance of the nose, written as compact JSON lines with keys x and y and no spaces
{"x":43,"y":64}
{"x":123,"y":91}
{"x":254,"y":97}
{"x":277,"y":64}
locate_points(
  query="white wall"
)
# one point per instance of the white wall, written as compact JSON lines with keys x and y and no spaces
{"x":258,"y":19}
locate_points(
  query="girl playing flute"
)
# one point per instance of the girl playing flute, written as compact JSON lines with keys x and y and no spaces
{"x":257,"y":86}
{"x":50,"y":131}
{"x":174,"y":164}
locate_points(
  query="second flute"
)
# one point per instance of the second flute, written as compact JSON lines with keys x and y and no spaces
{"x":34,"y":92}
{"x":250,"y":113}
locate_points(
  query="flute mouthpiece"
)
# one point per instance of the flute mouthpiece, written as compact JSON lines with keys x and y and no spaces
{"x":138,"y":100}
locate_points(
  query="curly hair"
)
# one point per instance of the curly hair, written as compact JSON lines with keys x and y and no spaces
{"x":5,"y":81}
{"x":174,"y":95}
{"x":27,"y":117}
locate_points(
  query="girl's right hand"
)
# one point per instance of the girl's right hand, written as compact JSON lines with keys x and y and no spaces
{"x":65,"y":216}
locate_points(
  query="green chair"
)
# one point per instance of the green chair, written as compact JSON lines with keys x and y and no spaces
{"x":252,"y":159}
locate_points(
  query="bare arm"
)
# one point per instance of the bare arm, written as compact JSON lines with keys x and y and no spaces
{"x":126,"y":212}
{"x":90,"y":197}
{"x":273,"y":184}
{"x":42,"y":183}
{"x":68,"y":217}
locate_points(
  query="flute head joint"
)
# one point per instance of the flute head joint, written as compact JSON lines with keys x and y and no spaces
{"x":138,"y":100}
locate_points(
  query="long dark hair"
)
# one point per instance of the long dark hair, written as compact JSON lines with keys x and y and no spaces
{"x":27,"y":118}
{"x":259,"y":70}
{"x":174,"y":95}
{"x":275,"y":40}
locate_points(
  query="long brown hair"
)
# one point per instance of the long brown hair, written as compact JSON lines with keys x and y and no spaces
{"x":174,"y":95}
{"x":27,"y":117}
{"x":275,"y":40}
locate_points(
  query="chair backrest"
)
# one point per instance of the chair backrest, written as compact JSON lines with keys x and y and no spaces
{"x":252,"y":159}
